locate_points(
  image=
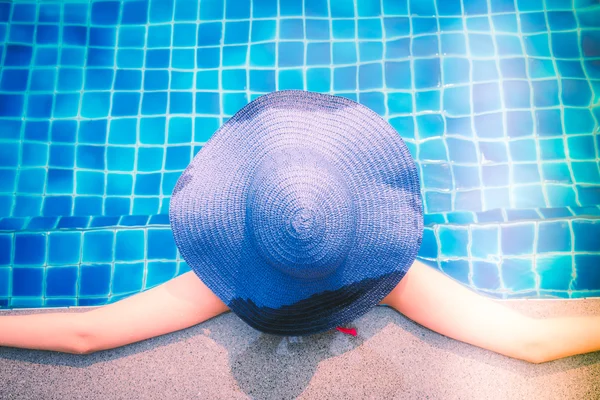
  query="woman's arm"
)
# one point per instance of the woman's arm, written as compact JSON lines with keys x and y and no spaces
{"x":182,"y":302}
{"x":567,"y":336}
{"x":46,"y":331}
{"x":439,"y":303}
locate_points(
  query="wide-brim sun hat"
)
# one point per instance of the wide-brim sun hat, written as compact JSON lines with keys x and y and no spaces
{"x":301,"y":213}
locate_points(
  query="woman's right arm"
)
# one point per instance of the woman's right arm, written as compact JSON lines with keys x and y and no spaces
{"x":177,"y":304}
{"x":182,"y":302}
{"x":46,"y":331}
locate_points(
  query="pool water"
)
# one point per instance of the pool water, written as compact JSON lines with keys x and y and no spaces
{"x":103,"y":104}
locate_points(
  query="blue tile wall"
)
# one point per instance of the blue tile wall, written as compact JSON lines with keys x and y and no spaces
{"x":103,"y":104}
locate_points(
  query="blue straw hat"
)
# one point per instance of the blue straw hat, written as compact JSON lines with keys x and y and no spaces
{"x":301,"y":213}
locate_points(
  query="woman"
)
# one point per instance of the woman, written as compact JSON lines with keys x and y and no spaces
{"x":303,"y":258}
{"x":426,"y":296}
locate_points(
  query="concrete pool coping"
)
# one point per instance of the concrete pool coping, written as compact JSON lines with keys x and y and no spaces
{"x":223,"y":358}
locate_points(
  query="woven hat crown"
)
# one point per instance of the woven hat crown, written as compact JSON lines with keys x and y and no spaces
{"x":300,"y":213}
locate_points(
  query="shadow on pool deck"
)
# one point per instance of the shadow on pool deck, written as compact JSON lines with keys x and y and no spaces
{"x":223,"y":358}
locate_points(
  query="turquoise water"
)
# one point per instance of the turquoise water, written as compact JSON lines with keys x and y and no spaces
{"x":104,"y":103}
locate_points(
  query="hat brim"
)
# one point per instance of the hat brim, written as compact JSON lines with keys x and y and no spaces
{"x":208,"y":212}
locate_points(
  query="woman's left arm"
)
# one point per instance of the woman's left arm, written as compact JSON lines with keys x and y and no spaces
{"x":436,"y":301}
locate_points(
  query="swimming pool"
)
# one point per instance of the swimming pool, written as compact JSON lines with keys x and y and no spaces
{"x":104,"y":103}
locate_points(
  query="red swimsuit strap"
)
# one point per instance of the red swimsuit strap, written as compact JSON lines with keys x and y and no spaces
{"x":347,"y":331}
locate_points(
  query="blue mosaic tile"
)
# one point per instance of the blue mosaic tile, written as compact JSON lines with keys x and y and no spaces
{"x":586,"y":172}
{"x":89,"y":183}
{"x":450,"y":24}
{"x":516,"y":94}
{"x":517,"y":239}
{"x":565,"y":45}
{"x":555,"y":271}
{"x":528,"y":196}
{"x":493,"y":151}
{"x":586,"y":235}
{"x":587,"y":271}
{"x":426,"y":73}
{"x":133,"y":220}
{"x":130,"y":245}
{"x":421,"y":25}
{"x":42,"y":223}
{"x":369,"y":29}
{"x":490,"y":126}
{"x":64,"y":248}
{"x":161,"y":219}
{"x":101,"y":221}
{"x":437,"y":201}
{"x":495,"y":175}
{"x":494,"y":215}
{"x":549,"y":122}
{"x":525,"y":173}
{"x":425,"y":46}
{"x":429,"y":247}
{"x":484,"y":70}
{"x":6,"y":245}
{"x":119,"y":184}
{"x":160,"y":272}
{"x":485,"y":275}
{"x":505,"y":23}
{"x":161,"y":244}
{"x":317,"y":29}
{"x":29,"y":249}
{"x":575,"y":92}
{"x":513,"y":67}
{"x":88,"y":205}
{"x":94,"y":280}
{"x":454,"y":242}
{"x":478,"y":24}
{"x":461,"y":217}
{"x":560,"y":195}
{"x":31,"y":180}
{"x":66,"y":222}
{"x":61,"y":281}
{"x":523,"y":150}
{"x":457,"y":269}
{"x":552,"y":149}
{"x":370,"y":76}
{"x":486,"y":97}
{"x":97,"y":246}
{"x":430,"y":125}
{"x":555,"y":212}
{"x":453,"y":44}
{"x":511,"y":268}
{"x":128,"y":277}
{"x":586,"y":211}
{"x":25,"y":206}
{"x":92,"y":301}
{"x":553,"y":236}
{"x":27,"y":281}
{"x":436,"y":176}
{"x":496,"y":197}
